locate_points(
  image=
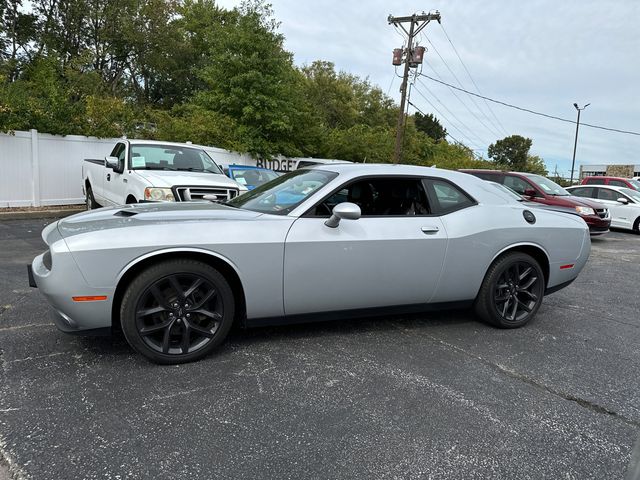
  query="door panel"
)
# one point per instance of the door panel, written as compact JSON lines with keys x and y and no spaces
{"x":114,"y":185}
{"x":619,"y":214}
{"x":370,"y":262}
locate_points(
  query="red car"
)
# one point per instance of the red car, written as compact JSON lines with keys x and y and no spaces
{"x":612,"y":181}
{"x":537,"y":188}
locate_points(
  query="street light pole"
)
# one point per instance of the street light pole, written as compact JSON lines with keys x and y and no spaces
{"x":575,"y":143}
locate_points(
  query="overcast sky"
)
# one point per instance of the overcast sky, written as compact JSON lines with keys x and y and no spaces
{"x":541,"y":55}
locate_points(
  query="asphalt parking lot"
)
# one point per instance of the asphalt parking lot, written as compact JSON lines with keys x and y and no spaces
{"x":432,"y":396}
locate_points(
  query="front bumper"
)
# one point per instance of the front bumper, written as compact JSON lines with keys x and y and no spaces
{"x":60,"y":284}
{"x":597,"y":225}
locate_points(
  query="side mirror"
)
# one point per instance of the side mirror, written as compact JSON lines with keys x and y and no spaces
{"x":623,"y":201}
{"x":111,"y":162}
{"x":344,"y":210}
{"x":530,"y":192}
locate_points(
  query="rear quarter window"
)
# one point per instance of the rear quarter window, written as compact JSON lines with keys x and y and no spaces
{"x":445,"y":197}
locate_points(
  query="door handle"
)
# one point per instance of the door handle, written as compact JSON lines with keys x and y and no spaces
{"x":108,"y":177}
{"x":430,"y":230}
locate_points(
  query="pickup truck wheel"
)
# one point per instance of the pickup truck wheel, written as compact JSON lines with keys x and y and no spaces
{"x":90,"y":200}
{"x":511,"y":292}
{"x":177,"y":311}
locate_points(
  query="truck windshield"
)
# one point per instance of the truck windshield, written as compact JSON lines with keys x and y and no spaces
{"x":282,"y":195}
{"x":549,"y":187}
{"x":171,"y":157}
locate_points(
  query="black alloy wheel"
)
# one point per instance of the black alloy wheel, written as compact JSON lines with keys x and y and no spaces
{"x":177,"y":311}
{"x":512,"y":291}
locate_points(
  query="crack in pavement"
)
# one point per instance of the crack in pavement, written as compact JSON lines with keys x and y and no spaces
{"x":587,"y":404}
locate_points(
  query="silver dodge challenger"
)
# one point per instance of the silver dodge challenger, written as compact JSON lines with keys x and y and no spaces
{"x":332,"y":241}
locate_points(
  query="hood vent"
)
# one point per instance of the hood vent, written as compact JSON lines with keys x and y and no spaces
{"x":124,"y":213}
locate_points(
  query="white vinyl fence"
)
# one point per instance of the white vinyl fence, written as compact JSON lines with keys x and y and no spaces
{"x":39,"y":169}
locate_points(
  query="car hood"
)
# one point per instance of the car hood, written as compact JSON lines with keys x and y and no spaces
{"x":553,"y":208}
{"x":572,"y":201}
{"x":149,"y":213}
{"x":170,"y":178}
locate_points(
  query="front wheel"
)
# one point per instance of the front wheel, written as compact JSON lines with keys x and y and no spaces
{"x":511,"y":292}
{"x":177,"y":311}
{"x":90,"y":199}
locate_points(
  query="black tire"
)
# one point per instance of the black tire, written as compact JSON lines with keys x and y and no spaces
{"x":89,"y":199}
{"x":636,"y":226}
{"x":511,"y":292}
{"x":177,"y":311}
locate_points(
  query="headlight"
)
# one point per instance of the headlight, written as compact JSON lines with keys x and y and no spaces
{"x":158,"y":194}
{"x":585,"y":211}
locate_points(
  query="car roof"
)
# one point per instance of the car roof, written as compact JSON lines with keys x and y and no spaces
{"x":606,"y":177}
{"x":246,"y":167}
{"x":160,"y":142}
{"x":358,"y":169}
{"x":610,"y":187}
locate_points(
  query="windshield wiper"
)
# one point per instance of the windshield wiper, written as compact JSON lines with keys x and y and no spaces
{"x":155,"y":168}
{"x":192,"y":169}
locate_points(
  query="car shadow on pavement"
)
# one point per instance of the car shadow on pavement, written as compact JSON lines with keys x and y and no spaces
{"x":116,"y":345}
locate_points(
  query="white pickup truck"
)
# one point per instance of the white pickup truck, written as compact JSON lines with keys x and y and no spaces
{"x":145,"y":170}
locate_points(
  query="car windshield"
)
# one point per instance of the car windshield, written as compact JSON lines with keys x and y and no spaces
{"x":171,"y":157}
{"x":635,"y":183}
{"x":504,"y":189}
{"x":547,"y":186}
{"x":632,"y":194}
{"x":281,"y":195}
{"x":252,"y":176}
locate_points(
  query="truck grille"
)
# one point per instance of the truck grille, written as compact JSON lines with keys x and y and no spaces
{"x":602,"y":212}
{"x":191,"y":194}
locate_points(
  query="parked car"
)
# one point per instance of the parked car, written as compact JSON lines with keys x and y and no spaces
{"x":145,"y":170}
{"x":539,"y":189}
{"x":175,"y":276}
{"x":623,"y":203}
{"x":631,"y":183}
{"x":249,"y":176}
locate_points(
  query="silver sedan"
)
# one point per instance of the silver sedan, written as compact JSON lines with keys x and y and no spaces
{"x":331,"y":241}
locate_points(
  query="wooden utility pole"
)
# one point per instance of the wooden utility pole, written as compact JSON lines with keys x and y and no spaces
{"x":416,"y":24}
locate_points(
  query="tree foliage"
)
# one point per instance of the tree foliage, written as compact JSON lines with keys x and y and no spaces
{"x":511,"y":152}
{"x":430,"y":125}
{"x":189,"y":70}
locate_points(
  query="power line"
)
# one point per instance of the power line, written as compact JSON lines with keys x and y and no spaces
{"x":472,"y":80}
{"x":444,"y":117}
{"x":495,"y":132}
{"x":482,"y":142}
{"x":448,"y":134}
{"x":600,"y":127}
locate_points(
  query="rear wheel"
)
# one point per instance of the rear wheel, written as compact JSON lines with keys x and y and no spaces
{"x":177,"y":311}
{"x":636,"y":226}
{"x":511,"y":292}
{"x":89,"y":199}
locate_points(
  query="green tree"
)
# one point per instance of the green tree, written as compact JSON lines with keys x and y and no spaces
{"x":535,"y":164}
{"x":430,"y":125}
{"x":511,"y":152}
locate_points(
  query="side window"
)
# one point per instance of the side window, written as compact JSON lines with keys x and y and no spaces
{"x":606,"y":194}
{"x":387,"y":196}
{"x":583,"y":192}
{"x":595,"y":181}
{"x":618,"y":183}
{"x":446,"y":197}
{"x":119,"y":151}
{"x":516,"y":184}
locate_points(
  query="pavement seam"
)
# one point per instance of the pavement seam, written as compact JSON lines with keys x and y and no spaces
{"x":587,"y":404}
